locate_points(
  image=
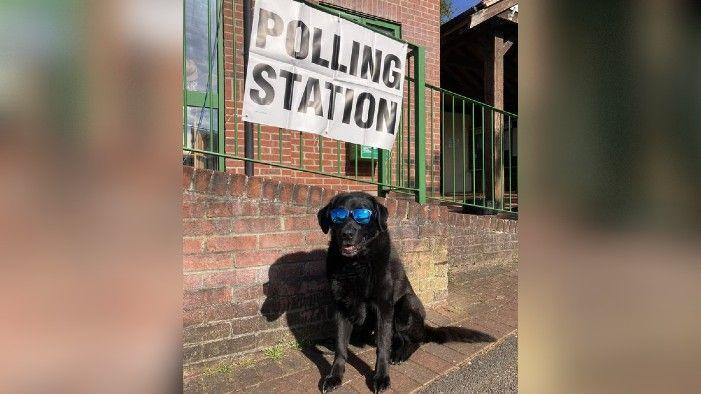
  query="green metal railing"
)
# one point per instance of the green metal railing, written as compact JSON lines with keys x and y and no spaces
{"x":274,"y":147}
{"x":477,"y":153}
{"x":396,"y":170}
{"x":448,"y":148}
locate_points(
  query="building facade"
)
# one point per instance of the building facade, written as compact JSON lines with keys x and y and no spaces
{"x":213,"y":86}
{"x":253,"y":254}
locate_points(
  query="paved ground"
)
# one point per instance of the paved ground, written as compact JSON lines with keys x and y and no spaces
{"x":485,"y":299}
{"x":495,"y":371}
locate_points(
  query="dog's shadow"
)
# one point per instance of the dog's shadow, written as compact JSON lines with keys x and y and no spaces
{"x":298,"y":289}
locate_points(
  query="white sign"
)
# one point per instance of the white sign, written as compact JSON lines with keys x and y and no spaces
{"x":318,"y":73}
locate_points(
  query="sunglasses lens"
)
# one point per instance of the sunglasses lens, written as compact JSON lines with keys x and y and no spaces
{"x":339,"y":215}
{"x":362,"y":215}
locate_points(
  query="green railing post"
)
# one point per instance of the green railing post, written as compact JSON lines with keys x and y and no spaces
{"x":382,"y":172}
{"x":420,"y":123}
{"x":221,"y":112}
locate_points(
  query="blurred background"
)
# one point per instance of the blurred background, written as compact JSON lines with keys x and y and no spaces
{"x":90,"y":123}
{"x":90,"y":229}
{"x":611,"y":153}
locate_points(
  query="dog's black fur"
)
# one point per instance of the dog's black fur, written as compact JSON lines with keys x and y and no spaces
{"x":372,"y":294}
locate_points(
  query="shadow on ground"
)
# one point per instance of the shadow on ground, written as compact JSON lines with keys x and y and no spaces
{"x":298,"y":289}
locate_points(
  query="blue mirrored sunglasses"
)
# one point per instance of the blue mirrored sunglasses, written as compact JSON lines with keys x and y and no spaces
{"x":360,"y":215}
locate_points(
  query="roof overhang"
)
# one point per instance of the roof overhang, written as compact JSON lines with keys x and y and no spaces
{"x":503,"y":9}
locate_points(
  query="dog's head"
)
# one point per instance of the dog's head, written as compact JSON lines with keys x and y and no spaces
{"x":346,"y":216}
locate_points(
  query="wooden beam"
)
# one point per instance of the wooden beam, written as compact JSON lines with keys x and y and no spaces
{"x":488,"y":3}
{"x":494,"y":121}
{"x":509,"y":15}
{"x":491,"y":11}
{"x":505,"y":47}
{"x":200,"y":159}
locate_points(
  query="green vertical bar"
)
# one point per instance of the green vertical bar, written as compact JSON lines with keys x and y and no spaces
{"x":279,"y":144}
{"x":430,"y":157}
{"x":491,"y":155}
{"x":501,"y":166}
{"x":390,"y":156}
{"x":208,"y":97}
{"x":511,"y":154}
{"x":443,"y":150}
{"x":420,"y":123}
{"x":484,"y":176}
{"x":301,"y":149}
{"x":464,"y":153}
{"x":474,"y":165}
{"x":233,"y":93}
{"x":221,"y":123}
{"x":398,"y":144}
{"x":372,"y":167}
{"x":408,"y":134}
{"x":400,"y":156}
{"x":321,"y":154}
{"x":185,"y":75}
{"x":452,"y":115}
{"x":381,"y":171}
{"x":444,"y":144}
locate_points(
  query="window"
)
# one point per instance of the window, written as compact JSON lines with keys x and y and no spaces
{"x":390,"y":28}
{"x":202,"y":82}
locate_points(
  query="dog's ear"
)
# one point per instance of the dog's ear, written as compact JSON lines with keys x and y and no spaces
{"x":381,"y":215}
{"x":323,"y":216}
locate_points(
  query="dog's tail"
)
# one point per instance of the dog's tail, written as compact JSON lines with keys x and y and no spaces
{"x":455,"y":334}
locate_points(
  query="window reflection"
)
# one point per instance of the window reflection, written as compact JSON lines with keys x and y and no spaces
{"x":203,"y":134}
{"x":197,"y":57}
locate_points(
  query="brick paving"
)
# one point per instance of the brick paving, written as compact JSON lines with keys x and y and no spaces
{"x":484,"y":298}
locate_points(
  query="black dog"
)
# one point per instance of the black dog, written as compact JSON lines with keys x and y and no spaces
{"x":371,"y":291}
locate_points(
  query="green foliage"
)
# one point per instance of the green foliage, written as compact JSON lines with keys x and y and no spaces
{"x":446,"y":10}
{"x":296,"y":344}
{"x":245,"y":362}
{"x":276,"y":352}
{"x":219,"y":369}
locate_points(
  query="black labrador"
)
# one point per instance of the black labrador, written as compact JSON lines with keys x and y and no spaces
{"x":371,"y":292}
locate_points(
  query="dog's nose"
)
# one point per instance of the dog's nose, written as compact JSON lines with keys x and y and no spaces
{"x":347,"y":234}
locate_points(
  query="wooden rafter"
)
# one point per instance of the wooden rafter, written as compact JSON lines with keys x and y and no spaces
{"x":488,"y":3}
{"x":509,"y":16}
{"x":491,"y":11}
{"x":462,"y":22}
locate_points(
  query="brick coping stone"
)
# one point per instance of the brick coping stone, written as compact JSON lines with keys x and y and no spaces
{"x":229,"y":184}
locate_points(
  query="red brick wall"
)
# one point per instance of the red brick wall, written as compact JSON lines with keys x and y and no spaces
{"x":420,"y":22}
{"x":253,"y":259}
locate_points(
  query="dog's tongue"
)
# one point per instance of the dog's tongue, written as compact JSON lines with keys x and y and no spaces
{"x":348,"y":248}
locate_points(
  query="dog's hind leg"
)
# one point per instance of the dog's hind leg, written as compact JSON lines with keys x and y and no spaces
{"x":408,"y":328}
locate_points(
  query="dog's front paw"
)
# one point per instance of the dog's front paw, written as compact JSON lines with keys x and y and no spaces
{"x":380,"y":383}
{"x":331,"y":382}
